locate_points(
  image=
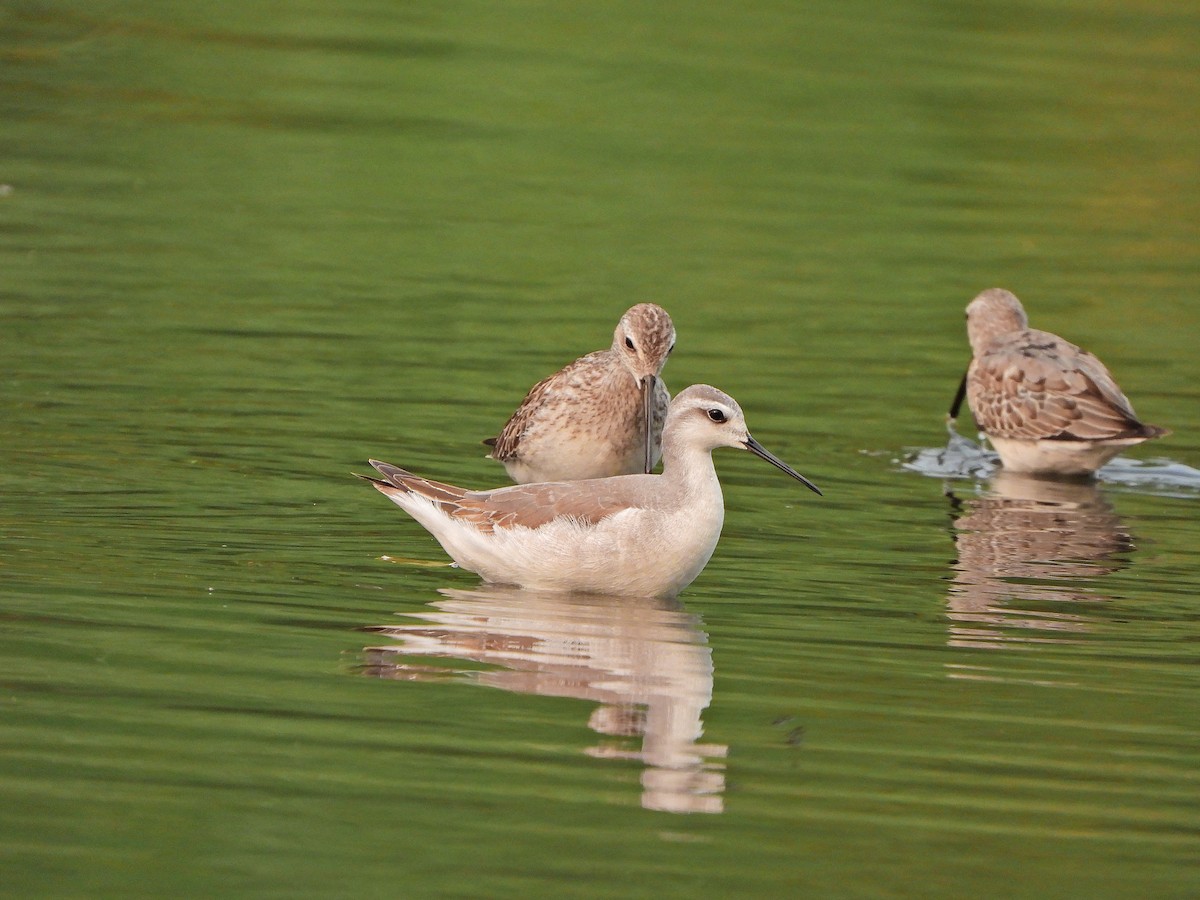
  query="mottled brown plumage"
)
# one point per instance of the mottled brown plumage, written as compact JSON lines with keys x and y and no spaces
{"x":1046,"y":405}
{"x":589,"y":419}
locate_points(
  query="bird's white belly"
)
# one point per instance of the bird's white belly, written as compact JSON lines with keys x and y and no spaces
{"x":636,"y":552}
{"x":1050,"y":457}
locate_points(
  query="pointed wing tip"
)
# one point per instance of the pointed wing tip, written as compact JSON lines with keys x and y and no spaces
{"x":391,"y":475}
{"x":387,"y":470}
{"x":379,"y":484}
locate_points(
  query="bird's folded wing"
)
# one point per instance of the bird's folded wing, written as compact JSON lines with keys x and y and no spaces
{"x":534,"y":505}
{"x":1057,"y":392}
{"x":526,"y":505}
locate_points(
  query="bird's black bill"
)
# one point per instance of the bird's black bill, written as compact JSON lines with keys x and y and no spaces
{"x":759,"y":450}
{"x":959,"y":397}
{"x":647,"y":402}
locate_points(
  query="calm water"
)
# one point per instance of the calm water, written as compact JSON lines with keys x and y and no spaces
{"x":243,"y":251}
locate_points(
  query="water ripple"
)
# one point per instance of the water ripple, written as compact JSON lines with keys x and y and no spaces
{"x":962,"y":458}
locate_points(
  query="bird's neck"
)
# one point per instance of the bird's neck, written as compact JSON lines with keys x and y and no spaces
{"x":688,"y":468}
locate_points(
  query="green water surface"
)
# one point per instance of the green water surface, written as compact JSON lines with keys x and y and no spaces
{"x":244,"y":247}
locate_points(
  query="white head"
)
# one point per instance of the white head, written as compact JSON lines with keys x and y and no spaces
{"x":992,"y":314}
{"x":644,"y":339}
{"x":703,"y":417}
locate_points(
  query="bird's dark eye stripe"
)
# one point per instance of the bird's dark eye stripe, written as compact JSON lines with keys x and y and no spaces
{"x":716,"y":415}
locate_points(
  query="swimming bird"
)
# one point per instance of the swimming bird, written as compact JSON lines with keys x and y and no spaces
{"x":639,"y":535}
{"x":601,"y":415}
{"x":1048,"y":407}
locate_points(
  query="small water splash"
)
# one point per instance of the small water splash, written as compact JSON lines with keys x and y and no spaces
{"x":960,"y":458}
{"x":965,"y":458}
{"x":1159,"y":475}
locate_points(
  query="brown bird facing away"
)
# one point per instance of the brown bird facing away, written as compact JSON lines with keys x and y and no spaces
{"x":1048,"y":407}
{"x":600,"y":416}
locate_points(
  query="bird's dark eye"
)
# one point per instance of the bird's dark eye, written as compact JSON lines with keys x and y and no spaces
{"x":629,"y":342}
{"x":717,"y":415}
{"x":670,"y":350}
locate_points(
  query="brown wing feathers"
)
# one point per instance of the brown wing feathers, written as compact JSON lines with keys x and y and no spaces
{"x":1050,"y":389}
{"x":529,"y":506}
{"x":504,"y":445}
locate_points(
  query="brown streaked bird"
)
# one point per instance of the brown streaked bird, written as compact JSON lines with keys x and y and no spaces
{"x":637,"y":535}
{"x":1048,"y":407}
{"x":600,"y":416}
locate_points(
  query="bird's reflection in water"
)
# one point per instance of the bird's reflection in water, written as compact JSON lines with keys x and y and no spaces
{"x":1026,"y":547}
{"x":645,"y":661}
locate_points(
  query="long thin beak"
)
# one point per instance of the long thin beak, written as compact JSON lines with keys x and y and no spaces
{"x":759,"y":450}
{"x":959,"y":397}
{"x":647,"y":400}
